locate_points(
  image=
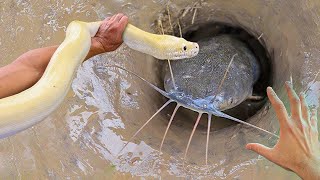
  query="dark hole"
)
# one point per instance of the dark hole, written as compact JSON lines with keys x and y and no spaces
{"x":249,"y":107}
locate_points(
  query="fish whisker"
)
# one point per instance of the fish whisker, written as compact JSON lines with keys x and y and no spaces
{"x":135,"y":134}
{"x":221,"y":114}
{"x":190,"y":138}
{"x":169,"y":124}
{"x":165,"y":94}
{"x":208,"y":135}
{"x":224,"y":77}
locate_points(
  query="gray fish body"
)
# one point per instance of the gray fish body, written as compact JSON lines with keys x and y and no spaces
{"x":198,"y":79}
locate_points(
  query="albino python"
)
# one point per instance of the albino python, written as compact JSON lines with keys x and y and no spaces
{"x":23,"y":110}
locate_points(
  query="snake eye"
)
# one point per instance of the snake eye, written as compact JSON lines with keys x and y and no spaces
{"x":185,"y":48}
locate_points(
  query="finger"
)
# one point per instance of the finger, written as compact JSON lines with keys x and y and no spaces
{"x":305,"y":108}
{"x":261,"y":149}
{"x":113,"y":17}
{"x":123,"y":22}
{"x":105,"y":26}
{"x":295,"y":103}
{"x":118,"y":17}
{"x":105,"y":23}
{"x":278,"y":106}
{"x":314,"y":119}
{"x":107,"y":19}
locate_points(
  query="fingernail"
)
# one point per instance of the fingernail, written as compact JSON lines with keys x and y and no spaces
{"x":271,"y":90}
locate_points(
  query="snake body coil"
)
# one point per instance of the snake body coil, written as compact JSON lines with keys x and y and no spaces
{"x":23,"y":110}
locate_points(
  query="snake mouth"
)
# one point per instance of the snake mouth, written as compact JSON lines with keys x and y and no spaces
{"x":186,"y":54}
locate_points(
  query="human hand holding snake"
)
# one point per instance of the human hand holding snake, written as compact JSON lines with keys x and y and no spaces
{"x":27,"y":69}
{"x":298,"y":148}
{"x":109,"y":35}
{"x":33,"y":87}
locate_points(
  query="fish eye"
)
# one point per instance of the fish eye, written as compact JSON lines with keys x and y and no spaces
{"x":184,"y":48}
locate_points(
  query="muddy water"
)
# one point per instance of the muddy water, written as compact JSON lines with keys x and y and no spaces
{"x":106,"y":106}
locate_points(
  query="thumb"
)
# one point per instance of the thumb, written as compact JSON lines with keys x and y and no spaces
{"x":260,"y":149}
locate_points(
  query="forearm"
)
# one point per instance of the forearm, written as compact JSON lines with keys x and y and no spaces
{"x":27,"y":69}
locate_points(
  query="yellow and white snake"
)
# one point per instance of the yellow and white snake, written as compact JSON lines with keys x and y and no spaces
{"x":23,"y":110}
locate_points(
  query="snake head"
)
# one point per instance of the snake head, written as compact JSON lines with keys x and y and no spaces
{"x":181,"y":48}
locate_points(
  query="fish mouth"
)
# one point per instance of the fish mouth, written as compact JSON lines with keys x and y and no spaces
{"x":245,"y":111}
{"x":232,"y":105}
